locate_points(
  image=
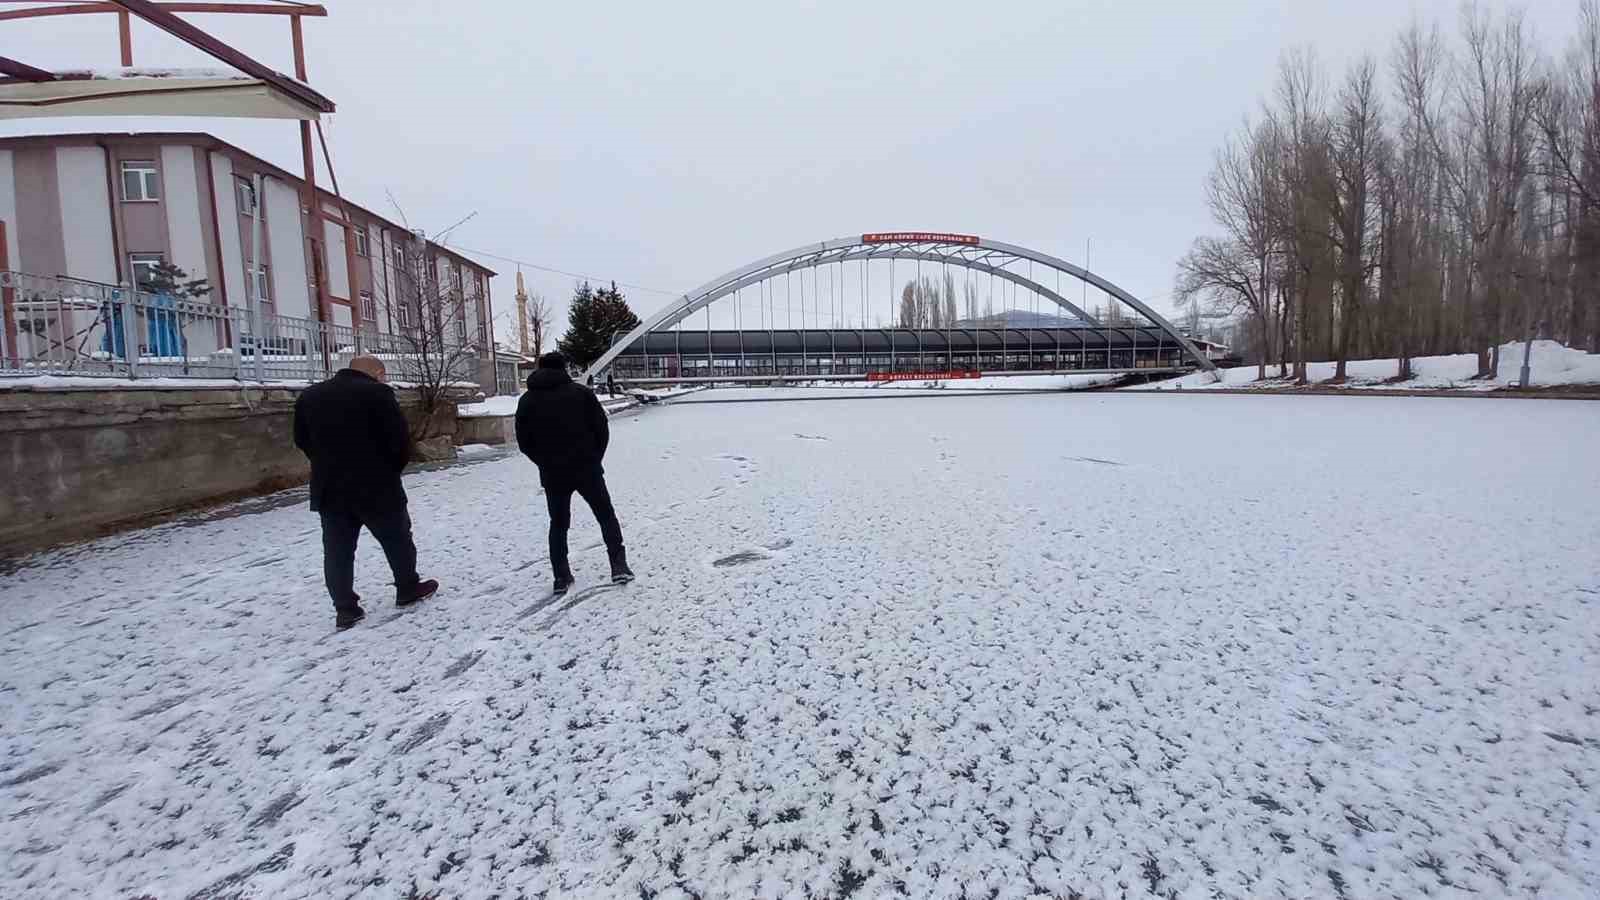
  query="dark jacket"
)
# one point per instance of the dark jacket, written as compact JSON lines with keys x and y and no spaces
{"x":351,"y":428}
{"x":561,"y":427}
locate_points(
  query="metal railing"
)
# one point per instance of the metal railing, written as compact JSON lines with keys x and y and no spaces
{"x":71,"y":327}
{"x":507,"y":379}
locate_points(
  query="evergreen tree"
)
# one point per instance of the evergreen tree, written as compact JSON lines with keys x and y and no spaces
{"x":594,"y":317}
{"x":169,"y":279}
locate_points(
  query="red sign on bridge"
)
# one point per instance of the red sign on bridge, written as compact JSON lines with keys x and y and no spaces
{"x":918,"y":237}
{"x":924,"y":376}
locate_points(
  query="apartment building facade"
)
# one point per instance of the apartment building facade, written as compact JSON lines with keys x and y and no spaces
{"x":109,"y":208}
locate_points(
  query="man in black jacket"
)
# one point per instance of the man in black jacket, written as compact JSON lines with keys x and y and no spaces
{"x":562,"y":428}
{"x":352,"y":430}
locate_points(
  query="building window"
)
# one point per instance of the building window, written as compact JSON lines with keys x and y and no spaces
{"x":363,"y":242}
{"x":402,"y":315}
{"x":461,"y":324}
{"x":142,"y":266}
{"x":369,"y":309}
{"x":140,"y":181}
{"x":247,"y":198}
{"x":263,"y":284}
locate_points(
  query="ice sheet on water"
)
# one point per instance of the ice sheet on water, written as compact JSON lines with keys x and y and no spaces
{"x":972,"y":657}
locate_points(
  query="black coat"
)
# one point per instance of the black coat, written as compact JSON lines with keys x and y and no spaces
{"x":352,"y":430}
{"x":561,"y":427}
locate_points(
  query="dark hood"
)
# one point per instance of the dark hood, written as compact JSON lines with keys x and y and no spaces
{"x":545,"y":379}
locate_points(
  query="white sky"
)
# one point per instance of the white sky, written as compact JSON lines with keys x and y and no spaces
{"x":662,"y":144}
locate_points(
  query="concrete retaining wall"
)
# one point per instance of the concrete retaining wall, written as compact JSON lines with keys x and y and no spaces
{"x":79,"y":463}
{"x":494,"y":430}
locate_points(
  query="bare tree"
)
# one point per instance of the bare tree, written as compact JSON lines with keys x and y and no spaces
{"x":1236,"y":272}
{"x":1464,"y":211}
{"x":1413,"y":263}
{"x":924,"y":303}
{"x":1568,"y":116}
{"x":1357,"y":147}
{"x":436,"y":354}
{"x":1300,"y":205}
{"x":910,"y":307}
{"x":538,"y":321}
{"x":1225,"y":273}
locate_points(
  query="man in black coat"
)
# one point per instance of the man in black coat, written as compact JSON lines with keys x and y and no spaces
{"x":562,"y":428}
{"x":352,"y":430}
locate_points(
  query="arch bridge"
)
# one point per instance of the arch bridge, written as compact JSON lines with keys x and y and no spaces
{"x":838,"y":332}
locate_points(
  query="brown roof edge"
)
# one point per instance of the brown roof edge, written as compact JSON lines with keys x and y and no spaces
{"x":182,"y":30}
{"x":212,"y":142}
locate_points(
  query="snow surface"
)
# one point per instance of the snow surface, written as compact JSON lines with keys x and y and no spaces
{"x":1551,"y":365}
{"x":1067,"y":644}
{"x":124,"y":73}
{"x":91,"y":382}
{"x":506,"y":404}
{"x":98,"y":383}
{"x":834,"y":390}
{"x":1006,"y":383}
{"x":501,"y":405}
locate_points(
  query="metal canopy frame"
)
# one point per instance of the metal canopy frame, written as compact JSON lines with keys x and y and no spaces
{"x":162,"y":14}
{"x":977,"y":254}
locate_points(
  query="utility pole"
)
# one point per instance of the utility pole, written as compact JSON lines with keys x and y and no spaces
{"x":522,"y":313}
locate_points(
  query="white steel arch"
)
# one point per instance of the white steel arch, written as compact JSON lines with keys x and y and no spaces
{"x":967,"y":251}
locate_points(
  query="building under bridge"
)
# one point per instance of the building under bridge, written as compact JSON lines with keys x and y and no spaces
{"x":682,"y":354}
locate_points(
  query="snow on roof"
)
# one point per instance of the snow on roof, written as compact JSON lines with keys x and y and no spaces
{"x":152,"y":92}
{"x":121,"y":73}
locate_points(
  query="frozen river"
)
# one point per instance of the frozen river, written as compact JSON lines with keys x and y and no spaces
{"x":1086,"y":645}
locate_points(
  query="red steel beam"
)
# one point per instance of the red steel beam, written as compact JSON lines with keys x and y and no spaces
{"x":125,"y":36}
{"x":76,"y":9}
{"x":21,"y":71}
{"x":160,"y":16}
{"x":7,"y":305}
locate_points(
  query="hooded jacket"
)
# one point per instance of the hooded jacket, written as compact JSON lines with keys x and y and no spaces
{"x":561,"y":427}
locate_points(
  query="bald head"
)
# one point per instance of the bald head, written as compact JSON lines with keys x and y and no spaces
{"x":370,"y":366}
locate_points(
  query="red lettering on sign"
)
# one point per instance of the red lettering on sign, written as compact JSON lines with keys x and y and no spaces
{"x":918,"y":237}
{"x":924,"y":376}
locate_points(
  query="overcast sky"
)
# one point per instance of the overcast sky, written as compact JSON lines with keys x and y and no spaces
{"x":662,"y":144}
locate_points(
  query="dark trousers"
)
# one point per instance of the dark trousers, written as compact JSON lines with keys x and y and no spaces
{"x":558,"y":496}
{"x":341,"y":529}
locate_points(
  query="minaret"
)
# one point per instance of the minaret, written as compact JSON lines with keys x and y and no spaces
{"x":522,"y":313}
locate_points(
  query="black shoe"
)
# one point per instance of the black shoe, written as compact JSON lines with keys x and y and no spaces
{"x":349,"y":617}
{"x":563,"y":584}
{"x":422,"y":591}
{"x":620,"y":573}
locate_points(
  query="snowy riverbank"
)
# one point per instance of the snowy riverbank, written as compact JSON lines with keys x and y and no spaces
{"x":1551,"y":365}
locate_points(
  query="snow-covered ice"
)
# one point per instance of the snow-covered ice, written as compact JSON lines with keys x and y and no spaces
{"x":1066,"y":645}
{"x":506,"y":404}
{"x":1550,"y":364}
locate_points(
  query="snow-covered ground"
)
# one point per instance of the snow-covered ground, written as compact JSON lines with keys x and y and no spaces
{"x":1005,"y":383}
{"x":1066,"y":645}
{"x":834,"y":390}
{"x":1551,"y":365}
{"x":506,"y":404}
